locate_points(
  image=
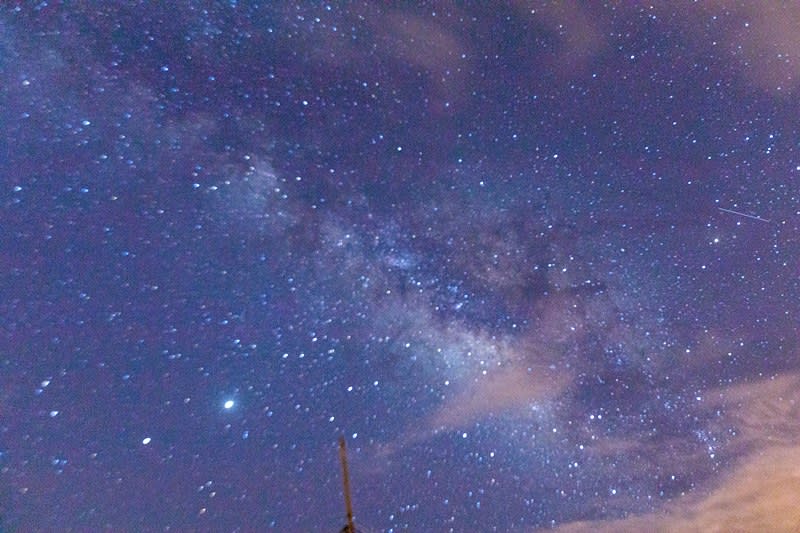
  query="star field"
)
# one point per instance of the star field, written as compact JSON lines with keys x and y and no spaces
{"x":538,"y":262}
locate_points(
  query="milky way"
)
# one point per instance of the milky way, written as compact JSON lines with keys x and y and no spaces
{"x":538,"y":263}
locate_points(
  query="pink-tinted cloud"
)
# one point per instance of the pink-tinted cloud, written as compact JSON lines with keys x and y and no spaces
{"x":762,"y":491}
{"x":764,"y":413}
{"x":756,"y":41}
{"x":761,"y":495}
{"x":581,"y":31}
{"x":765,"y":43}
{"x":504,"y":390}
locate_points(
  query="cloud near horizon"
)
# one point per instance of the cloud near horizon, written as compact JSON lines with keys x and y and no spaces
{"x":761,"y":492}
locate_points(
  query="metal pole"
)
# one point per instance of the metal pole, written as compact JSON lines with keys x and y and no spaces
{"x":351,"y":528}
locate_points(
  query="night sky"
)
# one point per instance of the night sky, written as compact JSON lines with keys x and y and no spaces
{"x":538,"y":262}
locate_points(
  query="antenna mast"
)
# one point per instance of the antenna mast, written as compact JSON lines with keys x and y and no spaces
{"x":350,"y":527}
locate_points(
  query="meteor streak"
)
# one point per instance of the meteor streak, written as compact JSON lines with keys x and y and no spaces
{"x":731,"y":211}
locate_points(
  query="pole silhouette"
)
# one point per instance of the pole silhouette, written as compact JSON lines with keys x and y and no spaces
{"x":350,"y":527}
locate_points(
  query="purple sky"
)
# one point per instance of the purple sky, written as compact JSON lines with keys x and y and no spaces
{"x":538,"y":262}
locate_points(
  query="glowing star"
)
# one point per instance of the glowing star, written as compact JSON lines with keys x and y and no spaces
{"x":228,"y":404}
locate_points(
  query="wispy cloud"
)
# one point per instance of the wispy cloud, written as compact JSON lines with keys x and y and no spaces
{"x":504,"y":390}
{"x":758,"y":40}
{"x":762,"y":491}
{"x":760,"y":495}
